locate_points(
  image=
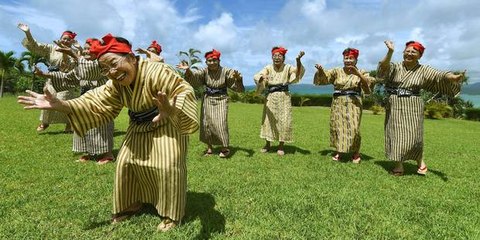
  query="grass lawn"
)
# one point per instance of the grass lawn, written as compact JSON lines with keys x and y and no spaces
{"x":45,"y":194}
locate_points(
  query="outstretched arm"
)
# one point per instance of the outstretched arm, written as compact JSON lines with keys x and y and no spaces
{"x":26,"y":29}
{"x":320,"y":76}
{"x":456,"y":77}
{"x":45,"y":101}
{"x":384,"y":66}
{"x":299,"y":64}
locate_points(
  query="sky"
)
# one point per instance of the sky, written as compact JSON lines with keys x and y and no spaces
{"x":244,"y":31}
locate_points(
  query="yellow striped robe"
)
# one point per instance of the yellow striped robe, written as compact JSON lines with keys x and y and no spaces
{"x":65,"y":64}
{"x":151,"y":164}
{"x":214,"y":115}
{"x":346,"y":111}
{"x":277,"y":110}
{"x":87,"y":73}
{"x":404,"y":115}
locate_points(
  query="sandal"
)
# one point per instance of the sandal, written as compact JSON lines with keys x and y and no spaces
{"x":42,"y":127}
{"x":356,"y":158}
{"x":207,"y":153}
{"x":265,"y":149}
{"x":396,"y":172}
{"x":130,"y":211}
{"x":422,"y":171}
{"x":105,"y":160}
{"x":84,"y":158}
{"x":167,"y":224}
{"x":336,"y":157}
{"x":280,"y":152}
{"x":224,"y":153}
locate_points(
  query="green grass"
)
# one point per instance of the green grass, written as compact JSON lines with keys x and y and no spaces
{"x":44,"y":194}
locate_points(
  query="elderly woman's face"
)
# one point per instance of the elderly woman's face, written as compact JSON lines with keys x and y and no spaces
{"x":121,"y":69}
{"x":411,"y":55}
{"x":349,"y":60}
{"x":278,"y":58}
{"x":154,"y":50}
{"x":66,"y":40}
{"x":86,"y":52}
{"x":213,"y":64}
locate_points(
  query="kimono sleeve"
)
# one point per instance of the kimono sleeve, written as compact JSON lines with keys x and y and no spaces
{"x":64,"y":81}
{"x":292,"y":74}
{"x":196,"y":78}
{"x":40,"y":49}
{"x":95,"y":108}
{"x":436,"y":82}
{"x":256,"y":78}
{"x":330,"y":77}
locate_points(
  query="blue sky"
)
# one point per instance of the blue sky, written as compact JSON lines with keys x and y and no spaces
{"x":244,"y":31}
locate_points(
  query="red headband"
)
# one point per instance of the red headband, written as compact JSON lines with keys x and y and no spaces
{"x":280,"y":50}
{"x":110,"y":45}
{"x":156,"y":46}
{"x":91,"y":41}
{"x":72,"y":35}
{"x":213,"y":54}
{"x":351,"y":52}
{"x":416,"y":45}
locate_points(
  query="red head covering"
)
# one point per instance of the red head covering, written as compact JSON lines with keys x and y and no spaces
{"x":110,"y":45}
{"x":72,"y":35}
{"x":280,"y":50}
{"x":416,"y":45}
{"x":213,"y":54}
{"x":351,"y":52}
{"x":156,"y":46}
{"x":91,"y":41}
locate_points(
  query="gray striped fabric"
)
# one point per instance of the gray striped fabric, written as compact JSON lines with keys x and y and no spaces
{"x":151,"y":165}
{"x":87,"y":74}
{"x":404,"y":115}
{"x":214,"y":112}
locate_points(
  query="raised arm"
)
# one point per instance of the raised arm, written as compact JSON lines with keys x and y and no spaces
{"x":320,"y":76}
{"x":384,"y":66}
{"x":26,"y":29}
{"x":299,"y":72}
{"x":235,"y":80}
{"x":364,"y":79}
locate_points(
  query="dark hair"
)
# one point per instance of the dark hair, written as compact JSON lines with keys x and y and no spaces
{"x":123,"y":40}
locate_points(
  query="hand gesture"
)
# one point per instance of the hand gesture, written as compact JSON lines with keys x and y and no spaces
{"x":45,"y":101}
{"x":59,"y":44}
{"x":319,"y":67}
{"x":141,"y":51}
{"x":65,"y":50}
{"x":183,"y":65}
{"x":300,"y":55}
{"x":24,"y":27}
{"x":389,"y":45}
{"x":77,"y":45}
{"x":236,"y":75}
{"x":353,"y":69}
{"x":165,"y":109}
{"x":461,"y":76}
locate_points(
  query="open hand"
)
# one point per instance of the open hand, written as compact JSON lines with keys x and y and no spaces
{"x":141,"y":51}
{"x":300,"y":54}
{"x":165,"y":109}
{"x":45,"y":101}
{"x":389,"y":45}
{"x":183,"y":65}
{"x":24,"y":27}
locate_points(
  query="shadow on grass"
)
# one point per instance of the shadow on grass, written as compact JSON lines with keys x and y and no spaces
{"x":202,"y":206}
{"x":409,"y":169}
{"x":233,"y":151}
{"x":117,"y":133}
{"x":345,"y":157}
{"x":199,"y":206}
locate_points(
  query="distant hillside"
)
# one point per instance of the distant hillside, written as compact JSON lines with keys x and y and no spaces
{"x":472,"y":89}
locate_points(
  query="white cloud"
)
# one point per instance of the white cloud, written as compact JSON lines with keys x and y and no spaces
{"x":220,"y":33}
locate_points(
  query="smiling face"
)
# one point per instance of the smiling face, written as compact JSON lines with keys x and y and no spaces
{"x":278,"y":59}
{"x":213,"y":64}
{"x":154,"y":50}
{"x":86,"y":52}
{"x":411,"y":56}
{"x":121,"y":68}
{"x":66,"y":40}
{"x":349,"y":60}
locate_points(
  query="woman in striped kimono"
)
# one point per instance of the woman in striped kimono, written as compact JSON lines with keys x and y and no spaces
{"x":57,"y":61}
{"x":277,"y":111}
{"x":163,"y":111}
{"x":404,"y":107}
{"x":97,"y":142}
{"x":152,"y":52}
{"x":214,"y":115}
{"x":346,"y":110}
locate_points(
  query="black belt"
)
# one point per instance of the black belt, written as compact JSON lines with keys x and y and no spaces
{"x":277,"y":88}
{"x":401,"y":92}
{"x":345,"y":93}
{"x":215,"y":91}
{"x":141,"y":117}
{"x":53,"y":69}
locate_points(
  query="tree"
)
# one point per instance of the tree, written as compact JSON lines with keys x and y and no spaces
{"x":7,"y":63}
{"x":32,"y":59}
{"x":191,"y":56}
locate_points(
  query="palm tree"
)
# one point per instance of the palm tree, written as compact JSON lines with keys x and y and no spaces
{"x":7,"y":63}
{"x":191,"y":56}
{"x":32,"y":59}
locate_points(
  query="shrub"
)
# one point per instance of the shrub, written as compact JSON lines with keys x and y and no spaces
{"x":313,"y":100}
{"x":472,"y":114}
{"x":377,"y":109}
{"x":438,"y":110}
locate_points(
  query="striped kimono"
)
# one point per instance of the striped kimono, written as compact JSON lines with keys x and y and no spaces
{"x":151,"y":164}
{"x":404,"y":114}
{"x":277,"y":110}
{"x":86,"y":75}
{"x":346,"y":110}
{"x":214,"y":115}
{"x":55,"y":59}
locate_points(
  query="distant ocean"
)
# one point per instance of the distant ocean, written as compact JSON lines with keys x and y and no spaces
{"x":328,"y":89}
